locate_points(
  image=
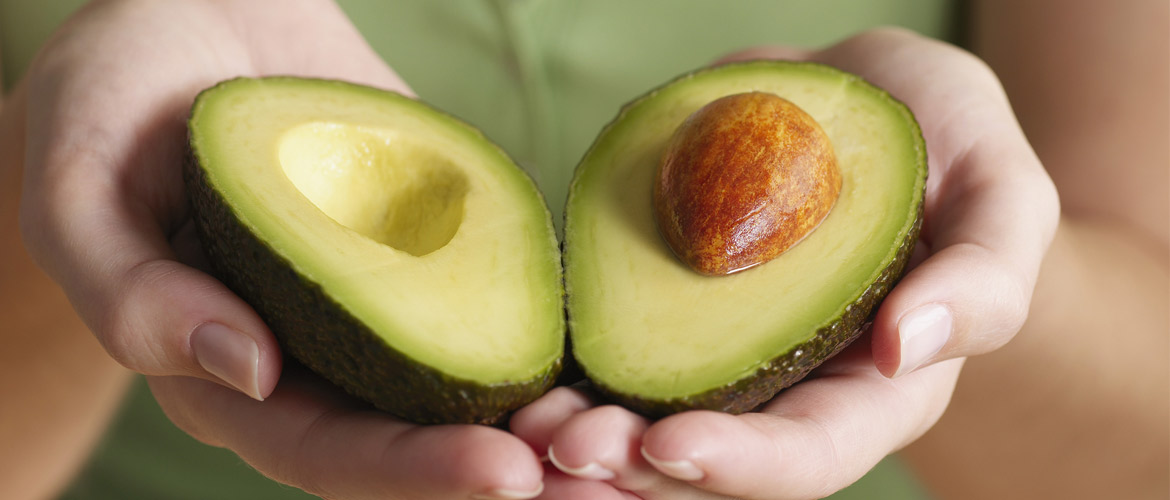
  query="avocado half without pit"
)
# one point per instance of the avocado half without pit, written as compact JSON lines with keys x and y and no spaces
{"x":804,"y":181}
{"x":390,"y":248}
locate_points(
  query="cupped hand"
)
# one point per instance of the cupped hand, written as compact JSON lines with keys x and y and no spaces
{"x":990,"y":214}
{"x":104,"y":213}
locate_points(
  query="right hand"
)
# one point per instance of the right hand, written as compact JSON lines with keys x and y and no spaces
{"x":105,"y":214}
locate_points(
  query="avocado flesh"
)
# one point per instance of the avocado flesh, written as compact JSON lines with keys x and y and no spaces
{"x":391,"y":248}
{"x":661,"y":338}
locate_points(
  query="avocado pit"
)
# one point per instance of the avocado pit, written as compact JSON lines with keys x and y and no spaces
{"x":742,"y":180}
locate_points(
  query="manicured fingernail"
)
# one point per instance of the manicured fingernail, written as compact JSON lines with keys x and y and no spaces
{"x":922,"y":333}
{"x":229,"y":355}
{"x":592,"y":470}
{"x":683,"y":470}
{"x":506,"y":494}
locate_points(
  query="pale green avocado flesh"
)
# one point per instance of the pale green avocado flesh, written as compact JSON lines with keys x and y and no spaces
{"x":390,"y":247}
{"x":661,"y":338}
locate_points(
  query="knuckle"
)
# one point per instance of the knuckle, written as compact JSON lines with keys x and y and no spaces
{"x":1012,"y":303}
{"x":997,"y":302}
{"x":113,"y":329}
{"x":126,"y":325}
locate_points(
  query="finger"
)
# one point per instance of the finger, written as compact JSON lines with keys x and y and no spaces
{"x":103,"y":195}
{"x":814,"y":439}
{"x":538,"y":421}
{"x":152,"y":314}
{"x":596,"y":443}
{"x":987,"y":237}
{"x":604,"y":444}
{"x":321,"y":43}
{"x":308,"y":435}
{"x":961,"y":301}
{"x":991,"y":210}
{"x":561,"y":486}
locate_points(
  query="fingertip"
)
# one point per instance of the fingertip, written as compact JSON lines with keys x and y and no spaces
{"x":229,"y":355}
{"x":236,"y":359}
{"x":596,"y":443}
{"x":927,"y":318}
{"x":687,"y":436}
{"x":165,"y":318}
{"x":499,"y":465}
{"x":683,"y":470}
{"x":536,"y":422}
{"x":922,"y":334}
{"x":707,"y":447}
{"x":507,"y":494}
{"x":591,"y":470}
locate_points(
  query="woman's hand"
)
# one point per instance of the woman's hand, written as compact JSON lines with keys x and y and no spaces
{"x":105,"y":214}
{"x":990,"y":214}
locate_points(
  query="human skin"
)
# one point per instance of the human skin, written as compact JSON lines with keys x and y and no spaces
{"x":45,"y":437}
{"x":1076,"y":407}
{"x":990,"y":212}
{"x":104,"y":213}
{"x":325,"y":443}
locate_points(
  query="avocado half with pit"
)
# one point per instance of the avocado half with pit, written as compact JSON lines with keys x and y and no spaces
{"x":659,"y":337}
{"x":390,"y":247}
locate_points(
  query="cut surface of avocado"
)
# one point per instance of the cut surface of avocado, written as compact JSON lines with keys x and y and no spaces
{"x":659,"y":337}
{"x":390,"y":247}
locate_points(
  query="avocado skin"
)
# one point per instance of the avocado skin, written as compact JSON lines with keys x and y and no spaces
{"x":319,"y":332}
{"x":748,"y":393}
{"x":788,"y":368}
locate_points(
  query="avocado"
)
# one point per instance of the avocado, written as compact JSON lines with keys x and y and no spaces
{"x":390,"y":247}
{"x":657,"y":336}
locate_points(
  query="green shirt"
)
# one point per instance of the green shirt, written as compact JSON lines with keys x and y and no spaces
{"x":539,"y":77}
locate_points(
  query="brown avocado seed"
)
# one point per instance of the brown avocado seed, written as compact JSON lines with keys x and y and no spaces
{"x":743,"y":179}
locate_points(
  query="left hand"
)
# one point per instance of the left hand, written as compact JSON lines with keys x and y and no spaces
{"x":990,"y":214}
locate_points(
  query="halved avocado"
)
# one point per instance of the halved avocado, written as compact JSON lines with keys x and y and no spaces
{"x":659,"y":337}
{"x":390,"y":247}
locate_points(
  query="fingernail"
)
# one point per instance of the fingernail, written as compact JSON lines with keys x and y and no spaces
{"x":229,"y":355}
{"x":506,"y":494}
{"x":592,"y":470}
{"x":683,"y":470}
{"x":922,"y":333}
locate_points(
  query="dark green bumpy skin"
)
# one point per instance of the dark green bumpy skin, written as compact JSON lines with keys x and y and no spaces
{"x":322,"y":335}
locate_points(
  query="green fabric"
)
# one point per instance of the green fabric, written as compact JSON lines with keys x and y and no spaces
{"x":541,"y":78}
{"x":24,"y":27}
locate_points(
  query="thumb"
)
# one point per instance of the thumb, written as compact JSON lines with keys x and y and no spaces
{"x":959,"y":302}
{"x":153,"y":314}
{"x":972,"y":294}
